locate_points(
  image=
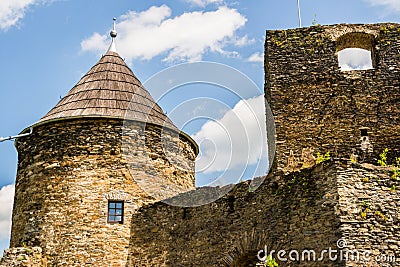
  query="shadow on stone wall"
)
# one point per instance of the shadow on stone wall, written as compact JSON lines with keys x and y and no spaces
{"x":295,"y":211}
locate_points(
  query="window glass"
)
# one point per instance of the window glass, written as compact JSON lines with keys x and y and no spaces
{"x":115,"y":211}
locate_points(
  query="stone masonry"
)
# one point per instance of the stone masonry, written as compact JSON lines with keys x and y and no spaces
{"x":307,"y":210}
{"x":317,"y":105}
{"x":68,"y":170}
{"x":24,"y":257}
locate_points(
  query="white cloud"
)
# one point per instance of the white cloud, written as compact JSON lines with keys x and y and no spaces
{"x":153,"y":32}
{"x":256,"y":57}
{"x":243,"y":41}
{"x":391,"y":5}
{"x":96,"y":42}
{"x":203,"y":3}
{"x":6,"y":204}
{"x":12,"y":11}
{"x":236,"y":140}
{"x":355,"y":59}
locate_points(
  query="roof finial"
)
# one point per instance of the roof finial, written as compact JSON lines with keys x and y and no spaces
{"x":113,"y":35}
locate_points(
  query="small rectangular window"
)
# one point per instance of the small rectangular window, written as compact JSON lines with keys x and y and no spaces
{"x":115,"y":211}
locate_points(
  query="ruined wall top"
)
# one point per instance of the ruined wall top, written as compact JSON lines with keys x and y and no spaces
{"x":318,"y":105}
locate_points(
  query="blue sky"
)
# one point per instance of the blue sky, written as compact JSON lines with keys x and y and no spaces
{"x":47,"y":45}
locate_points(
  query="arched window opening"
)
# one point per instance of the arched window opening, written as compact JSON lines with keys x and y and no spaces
{"x":356,"y":51}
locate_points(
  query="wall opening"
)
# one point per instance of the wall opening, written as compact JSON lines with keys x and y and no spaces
{"x":364,"y":132}
{"x":356,"y":51}
{"x":355,"y":59}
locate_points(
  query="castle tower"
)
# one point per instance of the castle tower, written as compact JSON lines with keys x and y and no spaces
{"x":318,"y":105}
{"x":102,"y":152}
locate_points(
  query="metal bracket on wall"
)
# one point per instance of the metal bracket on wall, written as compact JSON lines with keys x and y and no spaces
{"x":2,"y":139}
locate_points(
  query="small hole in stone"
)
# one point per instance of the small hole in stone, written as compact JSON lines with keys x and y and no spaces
{"x":364,"y":132}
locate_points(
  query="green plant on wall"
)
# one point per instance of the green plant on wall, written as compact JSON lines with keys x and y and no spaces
{"x":278,"y":43}
{"x":381,"y":215}
{"x":365,"y":209}
{"x":363,"y":215}
{"x":396,"y":174}
{"x":396,"y":170}
{"x":321,"y":158}
{"x":270,"y":262}
{"x":314,"y":22}
{"x":383,"y":157}
{"x":353,"y":157}
{"x":384,"y":30}
{"x":382,"y":161}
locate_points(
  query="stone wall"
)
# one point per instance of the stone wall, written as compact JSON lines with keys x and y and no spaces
{"x":69,"y":170}
{"x":166,"y":157}
{"x":294,"y":211}
{"x":317,"y":105}
{"x":307,"y":210}
{"x":23,"y":257}
{"x":370,"y":212}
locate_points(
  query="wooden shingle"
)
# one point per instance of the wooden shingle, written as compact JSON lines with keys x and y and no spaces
{"x":110,"y":89}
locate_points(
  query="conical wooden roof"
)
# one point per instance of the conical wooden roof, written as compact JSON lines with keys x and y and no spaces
{"x":110,"y":89}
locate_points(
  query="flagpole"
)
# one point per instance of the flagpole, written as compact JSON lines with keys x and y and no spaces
{"x":299,"y":14}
